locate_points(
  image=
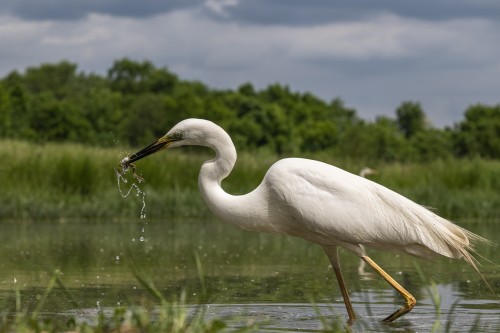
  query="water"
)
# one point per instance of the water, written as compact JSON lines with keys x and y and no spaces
{"x":134,"y":186}
{"x":283,"y":283}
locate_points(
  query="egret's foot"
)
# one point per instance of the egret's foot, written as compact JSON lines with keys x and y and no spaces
{"x":410,"y":303}
{"x":409,"y":299}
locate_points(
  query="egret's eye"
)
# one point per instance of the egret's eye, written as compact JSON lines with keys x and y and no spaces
{"x":177,"y":136}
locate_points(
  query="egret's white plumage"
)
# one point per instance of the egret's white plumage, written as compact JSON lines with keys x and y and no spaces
{"x":320,"y":203}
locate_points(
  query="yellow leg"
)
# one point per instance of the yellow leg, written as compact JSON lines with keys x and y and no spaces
{"x":409,"y":299}
{"x":334,"y":260}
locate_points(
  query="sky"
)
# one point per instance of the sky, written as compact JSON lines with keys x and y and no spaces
{"x":373,"y":54}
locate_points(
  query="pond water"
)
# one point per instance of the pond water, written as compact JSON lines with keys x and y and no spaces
{"x":284,"y":283}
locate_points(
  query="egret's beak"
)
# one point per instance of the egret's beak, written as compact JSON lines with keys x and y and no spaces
{"x":158,"y":145}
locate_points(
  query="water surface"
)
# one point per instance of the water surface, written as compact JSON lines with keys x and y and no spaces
{"x":284,"y":283}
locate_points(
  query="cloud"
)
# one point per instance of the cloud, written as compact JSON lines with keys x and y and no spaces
{"x":289,"y":12}
{"x":373,"y":62}
{"x":318,"y":12}
{"x":79,"y":9}
{"x":219,"y":7}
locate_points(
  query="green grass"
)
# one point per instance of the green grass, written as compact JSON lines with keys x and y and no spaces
{"x":65,"y":181}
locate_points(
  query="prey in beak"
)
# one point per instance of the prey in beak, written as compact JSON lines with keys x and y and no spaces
{"x":160,"y":144}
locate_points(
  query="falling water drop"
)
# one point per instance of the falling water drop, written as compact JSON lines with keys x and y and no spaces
{"x":138,"y":192}
{"x":120,"y":176}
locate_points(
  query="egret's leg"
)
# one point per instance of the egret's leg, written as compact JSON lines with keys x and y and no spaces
{"x":410,"y":300}
{"x":334,"y":260}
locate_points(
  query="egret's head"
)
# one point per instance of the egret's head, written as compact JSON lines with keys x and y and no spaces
{"x":366,"y":171}
{"x":196,"y":132}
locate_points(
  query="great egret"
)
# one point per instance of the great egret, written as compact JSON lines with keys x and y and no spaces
{"x":322,"y":204}
{"x":366,"y":171}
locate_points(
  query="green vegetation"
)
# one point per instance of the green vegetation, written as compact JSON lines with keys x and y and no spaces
{"x":65,"y":181}
{"x":57,"y":126}
{"x":137,"y":102}
{"x":62,"y":133}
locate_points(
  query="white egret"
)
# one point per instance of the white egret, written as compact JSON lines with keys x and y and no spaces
{"x":366,"y":171}
{"x":322,"y":204}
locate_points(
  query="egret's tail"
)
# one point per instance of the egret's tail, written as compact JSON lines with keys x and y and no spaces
{"x":468,"y":250}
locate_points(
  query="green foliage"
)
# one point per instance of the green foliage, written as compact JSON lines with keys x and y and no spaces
{"x":479,"y":133}
{"x":136,"y":102}
{"x":64,"y":181}
{"x":411,"y":118}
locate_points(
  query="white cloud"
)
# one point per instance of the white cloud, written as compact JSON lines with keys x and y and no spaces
{"x":188,"y":35}
{"x":370,"y":63}
{"x":220,"y":7}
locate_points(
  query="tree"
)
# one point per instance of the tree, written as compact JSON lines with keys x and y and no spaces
{"x":479,"y":133}
{"x":58,"y":79}
{"x":128,"y":76}
{"x":136,"y":102}
{"x":430,"y":145}
{"x":411,"y":119}
{"x":5,"y":114}
{"x":19,"y":112}
{"x":386,"y":142}
{"x":56,"y":120}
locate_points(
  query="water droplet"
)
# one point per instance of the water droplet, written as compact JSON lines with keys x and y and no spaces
{"x":134,"y":187}
{"x":141,"y":239}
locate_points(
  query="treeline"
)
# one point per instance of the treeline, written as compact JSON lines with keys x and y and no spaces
{"x":137,"y":102}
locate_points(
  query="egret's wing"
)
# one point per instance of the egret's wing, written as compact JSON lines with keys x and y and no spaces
{"x":330,"y":203}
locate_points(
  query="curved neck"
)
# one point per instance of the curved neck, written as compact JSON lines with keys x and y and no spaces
{"x":214,"y":171}
{"x":248,"y":211}
{"x":218,"y":168}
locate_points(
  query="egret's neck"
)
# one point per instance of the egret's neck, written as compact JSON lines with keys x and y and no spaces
{"x":248,"y":211}
{"x":218,"y":168}
{"x":214,"y":171}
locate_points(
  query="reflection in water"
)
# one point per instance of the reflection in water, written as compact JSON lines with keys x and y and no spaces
{"x":283,"y":282}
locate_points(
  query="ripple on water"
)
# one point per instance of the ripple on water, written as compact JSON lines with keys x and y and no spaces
{"x":306,"y":317}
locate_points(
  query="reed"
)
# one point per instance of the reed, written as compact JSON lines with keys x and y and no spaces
{"x":65,"y":181}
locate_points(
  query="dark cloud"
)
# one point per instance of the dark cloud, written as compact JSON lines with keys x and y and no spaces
{"x":376,"y":53}
{"x":77,"y":9}
{"x":289,"y":12}
{"x":315,"y":12}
